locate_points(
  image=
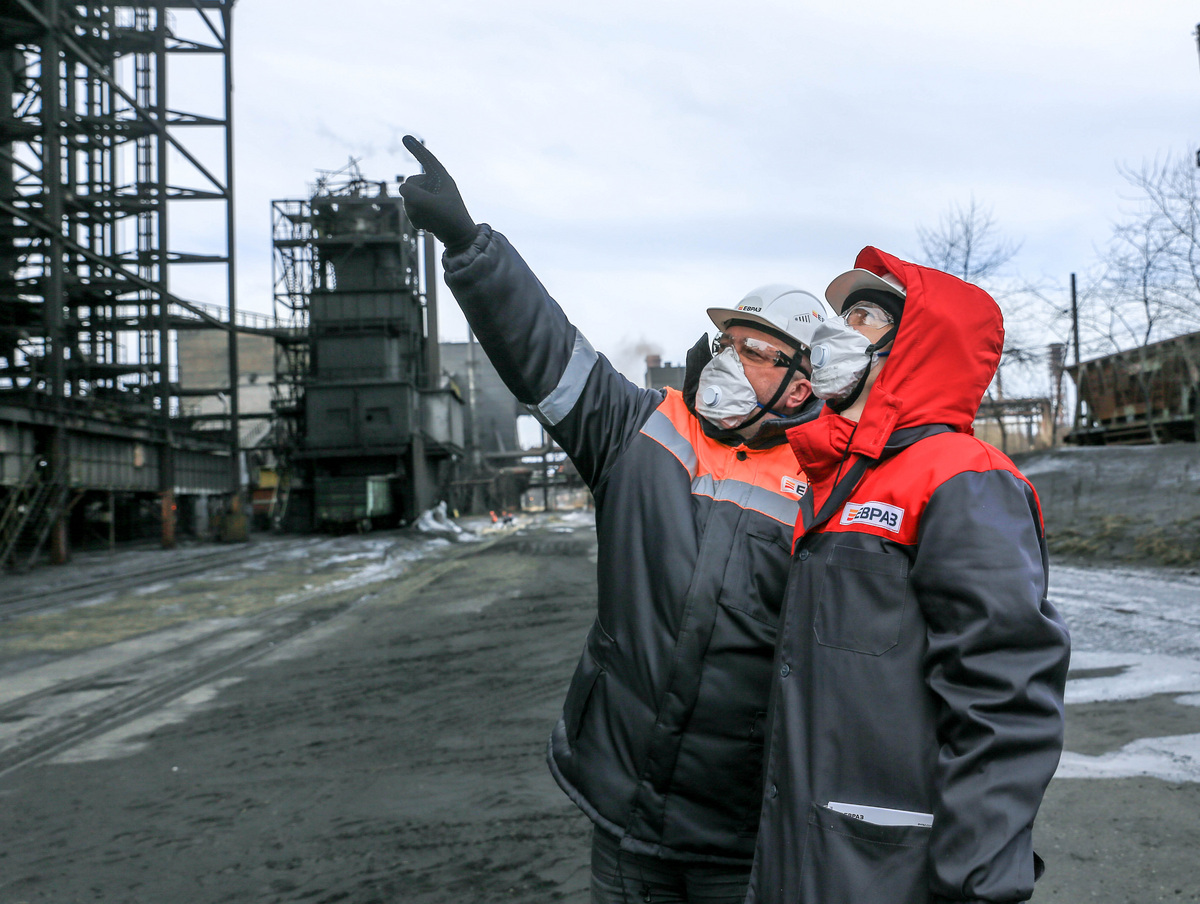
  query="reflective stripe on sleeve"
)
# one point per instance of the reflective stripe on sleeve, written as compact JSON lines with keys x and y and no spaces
{"x":558,"y":404}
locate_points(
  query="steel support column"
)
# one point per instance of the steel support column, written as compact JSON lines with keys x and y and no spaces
{"x":235,"y":454}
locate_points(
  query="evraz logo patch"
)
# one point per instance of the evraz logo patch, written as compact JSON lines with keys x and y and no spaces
{"x":793,"y":486}
{"x":877,"y":514}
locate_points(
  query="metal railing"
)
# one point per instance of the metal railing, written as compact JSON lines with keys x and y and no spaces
{"x":247,"y":320}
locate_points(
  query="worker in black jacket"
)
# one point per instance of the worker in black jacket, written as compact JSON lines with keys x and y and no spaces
{"x":660,"y":740}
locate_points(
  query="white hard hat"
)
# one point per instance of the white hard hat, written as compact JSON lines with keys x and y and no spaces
{"x":780,"y":309}
{"x":853,"y":280}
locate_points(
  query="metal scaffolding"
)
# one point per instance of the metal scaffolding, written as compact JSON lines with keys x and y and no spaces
{"x":96,"y":167}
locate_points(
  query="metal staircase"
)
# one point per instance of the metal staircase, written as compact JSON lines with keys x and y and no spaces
{"x":33,"y":507}
{"x":279,"y":502}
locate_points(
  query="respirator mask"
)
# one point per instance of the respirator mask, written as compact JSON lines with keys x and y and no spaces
{"x":841,"y":358}
{"x":724,"y":395}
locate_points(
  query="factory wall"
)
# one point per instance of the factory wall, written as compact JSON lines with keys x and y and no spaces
{"x":204,"y":364}
{"x":114,"y":463}
{"x":496,"y":410}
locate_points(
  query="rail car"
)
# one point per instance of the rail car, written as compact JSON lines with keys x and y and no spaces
{"x":354,"y":503}
{"x":1142,"y":395}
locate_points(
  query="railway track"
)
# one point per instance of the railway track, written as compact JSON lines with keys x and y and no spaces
{"x":65,"y":714}
{"x":52,"y":709}
{"x":15,"y":605}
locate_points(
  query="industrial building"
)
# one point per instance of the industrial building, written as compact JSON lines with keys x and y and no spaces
{"x":660,"y":375}
{"x":368,"y":430}
{"x":492,"y":412}
{"x":137,"y":400}
{"x":500,"y":473}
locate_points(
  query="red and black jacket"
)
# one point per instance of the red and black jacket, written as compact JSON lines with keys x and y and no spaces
{"x":920,"y":666}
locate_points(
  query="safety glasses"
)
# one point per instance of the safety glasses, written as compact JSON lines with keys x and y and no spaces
{"x":752,"y":351}
{"x":865,"y":313}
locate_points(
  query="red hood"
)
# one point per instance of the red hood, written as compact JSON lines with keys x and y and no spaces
{"x":944,"y":357}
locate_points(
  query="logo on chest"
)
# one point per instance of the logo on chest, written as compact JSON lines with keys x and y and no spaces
{"x":876,"y":514}
{"x":792,"y":485}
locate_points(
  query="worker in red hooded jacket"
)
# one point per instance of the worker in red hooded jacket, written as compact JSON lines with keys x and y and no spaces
{"x":917,"y":708}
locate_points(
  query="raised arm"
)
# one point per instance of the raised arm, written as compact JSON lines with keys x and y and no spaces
{"x":584,"y":403}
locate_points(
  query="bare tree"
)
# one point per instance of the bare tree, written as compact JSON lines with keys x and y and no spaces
{"x":968,"y":243}
{"x":1150,"y":283}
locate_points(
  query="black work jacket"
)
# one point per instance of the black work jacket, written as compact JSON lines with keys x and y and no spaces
{"x":661,"y":737}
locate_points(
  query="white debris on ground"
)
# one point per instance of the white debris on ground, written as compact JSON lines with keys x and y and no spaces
{"x":437,"y":521}
{"x":574,"y":519}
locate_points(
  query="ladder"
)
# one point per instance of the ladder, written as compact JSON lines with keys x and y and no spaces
{"x":279,"y":502}
{"x":33,"y":507}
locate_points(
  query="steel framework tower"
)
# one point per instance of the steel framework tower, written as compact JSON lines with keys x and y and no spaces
{"x":359,"y":389}
{"x":96,"y":166}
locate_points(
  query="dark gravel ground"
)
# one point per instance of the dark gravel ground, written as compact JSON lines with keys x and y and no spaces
{"x":399,"y":757}
{"x":397,"y":754}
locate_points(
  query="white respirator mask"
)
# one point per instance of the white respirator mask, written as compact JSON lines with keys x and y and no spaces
{"x":724,"y":396}
{"x":841,"y":357}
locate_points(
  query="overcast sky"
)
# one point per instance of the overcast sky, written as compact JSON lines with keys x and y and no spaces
{"x":651,"y":159}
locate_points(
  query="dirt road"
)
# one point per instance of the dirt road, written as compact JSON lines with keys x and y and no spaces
{"x":394,"y":750}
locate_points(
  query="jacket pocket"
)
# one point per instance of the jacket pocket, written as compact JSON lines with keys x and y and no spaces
{"x":848,"y":861}
{"x":862,"y":601}
{"x":580,"y":692}
{"x":756,"y":573}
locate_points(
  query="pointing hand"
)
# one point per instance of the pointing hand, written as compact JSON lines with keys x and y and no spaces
{"x":432,"y":201}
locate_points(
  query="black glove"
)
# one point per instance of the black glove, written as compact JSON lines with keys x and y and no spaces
{"x":433,"y":203}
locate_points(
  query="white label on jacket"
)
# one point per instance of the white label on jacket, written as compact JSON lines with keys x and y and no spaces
{"x":793,"y":486}
{"x":877,"y":514}
{"x":883,"y":816}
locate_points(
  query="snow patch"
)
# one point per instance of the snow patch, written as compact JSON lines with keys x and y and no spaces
{"x":1143,"y":676}
{"x":128,"y":739}
{"x":1172,"y":759}
{"x":156,"y":587}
